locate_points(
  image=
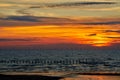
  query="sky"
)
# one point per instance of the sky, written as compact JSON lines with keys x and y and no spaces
{"x":60,"y":23}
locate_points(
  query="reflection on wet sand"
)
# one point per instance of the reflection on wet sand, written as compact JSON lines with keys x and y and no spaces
{"x":93,"y":77}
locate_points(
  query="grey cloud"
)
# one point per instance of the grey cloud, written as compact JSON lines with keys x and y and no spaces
{"x":102,"y":23}
{"x":38,"y":19}
{"x":57,"y":20}
{"x":21,"y":18}
{"x":34,"y":20}
{"x":72,"y":4}
{"x":10,"y":39}
{"x":116,"y":31}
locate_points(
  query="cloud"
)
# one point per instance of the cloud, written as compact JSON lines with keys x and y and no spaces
{"x":112,"y":8}
{"x":92,"y":34}
{"x":116,"y":31}
{"x":23,"y":11}
{"x":72,"y":4}
{"x":8,"y":39}
{"x":113,"y":37}
{"x":102,"y":23}
{"x":22,"y":18}
{"x":26,"y":7}
{"x":35,"y":21}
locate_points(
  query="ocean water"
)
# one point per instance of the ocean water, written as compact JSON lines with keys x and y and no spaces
{"x":35,"y":60}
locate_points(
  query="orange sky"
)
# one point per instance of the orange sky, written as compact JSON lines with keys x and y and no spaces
{"x":94,"y":35}
{"x":82,"y":22}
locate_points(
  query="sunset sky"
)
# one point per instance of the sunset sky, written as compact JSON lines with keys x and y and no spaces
{"x":56,"y":23}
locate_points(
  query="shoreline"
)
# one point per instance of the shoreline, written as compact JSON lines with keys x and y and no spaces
{"x":59,"y":74}
{"x":40,"y":76}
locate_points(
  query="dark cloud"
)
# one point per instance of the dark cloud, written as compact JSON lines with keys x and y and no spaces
{"x":112,"y":37}
{"x":72,"y":4}
{"x":102,"y":23}
{"x":92,"y":34}
{"x":34,"y":20}
{"x":22,"y":18}
{"x":8,"y":39}
{"x":116,"y":31}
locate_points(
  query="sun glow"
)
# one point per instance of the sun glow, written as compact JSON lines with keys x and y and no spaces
{"x":100,"y":42}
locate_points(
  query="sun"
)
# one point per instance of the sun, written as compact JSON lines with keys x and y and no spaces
{"x":101,"y":42}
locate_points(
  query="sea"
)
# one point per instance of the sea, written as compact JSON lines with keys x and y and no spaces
{"x":37,"y":60}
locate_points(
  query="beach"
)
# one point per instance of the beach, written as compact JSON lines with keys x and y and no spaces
{"x":59,"y":76}
{"x":28,"y":77}
{"x":77,"y":77}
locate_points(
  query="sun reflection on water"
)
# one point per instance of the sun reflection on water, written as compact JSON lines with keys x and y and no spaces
{"x":95,"y":77}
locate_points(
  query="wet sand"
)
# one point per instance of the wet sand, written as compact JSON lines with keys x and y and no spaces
{"x":72,"y":76}
{"x":92,"y":77}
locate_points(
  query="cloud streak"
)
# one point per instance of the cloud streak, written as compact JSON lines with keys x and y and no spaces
{"x":8,"y":39}
{"x":113,"y":37}
{"x":34,"y":20}
{"x":22,"y":18}
{"x":102,"y":23}
{"x":116,"y":31}
{"x":69,"y":7}
{"x":92,"y":34}
{"x":72,"y":4}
